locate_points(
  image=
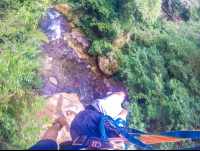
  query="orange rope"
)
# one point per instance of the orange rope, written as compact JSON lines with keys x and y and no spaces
{"x":153,"y":139}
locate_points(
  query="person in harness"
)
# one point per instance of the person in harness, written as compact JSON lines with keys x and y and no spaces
{"x":101,"y":126}
{"x":85,"y":129}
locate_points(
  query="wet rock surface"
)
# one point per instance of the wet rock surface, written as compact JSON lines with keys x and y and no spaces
{"x":63,"y":105}
{"x":73,"y":68}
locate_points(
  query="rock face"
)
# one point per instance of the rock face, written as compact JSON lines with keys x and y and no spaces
{"x":66,"y":106}
{"x":108,"y":65}
{"x":65,"y":10}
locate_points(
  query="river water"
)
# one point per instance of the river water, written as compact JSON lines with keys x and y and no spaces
{"x":73,"y":74}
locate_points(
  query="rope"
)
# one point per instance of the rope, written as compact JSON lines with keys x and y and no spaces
{"x":146,"y":138}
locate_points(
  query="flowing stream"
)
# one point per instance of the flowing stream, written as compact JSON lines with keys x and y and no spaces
{"x":71,"y":74}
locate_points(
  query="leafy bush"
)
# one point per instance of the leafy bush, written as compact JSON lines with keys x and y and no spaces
{"x":162,"y":80}
{"x":158,"y":102}
{"x":19,"y":59}
{"x":112,"y":19}
{"x":100,"y":47}
{"x":186,"y":9}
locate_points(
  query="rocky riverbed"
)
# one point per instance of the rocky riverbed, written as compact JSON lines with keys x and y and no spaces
{"x":68,"y":67}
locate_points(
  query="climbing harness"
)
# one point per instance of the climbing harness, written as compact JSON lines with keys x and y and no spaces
{"x":129,"y":136}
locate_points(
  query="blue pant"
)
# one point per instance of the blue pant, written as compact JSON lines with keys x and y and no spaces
{"x":47,"y":144}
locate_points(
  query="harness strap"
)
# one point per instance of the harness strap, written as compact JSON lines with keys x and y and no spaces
{"x":123,"y":133}
{"x":146,"y":138}
{"x":132,"y":130}
{"x":83,"y":141}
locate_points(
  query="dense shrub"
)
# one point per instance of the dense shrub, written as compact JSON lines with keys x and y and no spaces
{"x":163,"y":80}
{"x":158,"y":102}
{"x":185,"y":9}
{"x":114,"y":18}
{"x":101,"y":47}
{"x":19,"y":58}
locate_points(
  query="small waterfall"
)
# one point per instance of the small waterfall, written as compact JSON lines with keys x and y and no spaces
{"x":70,"y":72}
{"x":55,"y":23}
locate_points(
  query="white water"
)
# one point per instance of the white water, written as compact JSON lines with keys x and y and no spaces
{"x":55,"y":25}
{"x":53,"y":14}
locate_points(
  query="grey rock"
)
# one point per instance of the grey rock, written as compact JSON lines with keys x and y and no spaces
{"x":47,"y":66}
{"x":53,"y":80}
{"x":50,"y":59}
{"x":86,"y":43}
{"x":79,"y":39}
{"x":67,"y":36}
{"x":74,"y":36}
{"x":89,"y":67}
{"x":44,"y":23}
{"x":79,"y":61}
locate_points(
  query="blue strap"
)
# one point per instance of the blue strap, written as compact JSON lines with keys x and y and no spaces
{"x":133,"y":131}
{"x":123,"y":133}
{"x":102,"y":130}
{"x":120,"y":121}
{"x":182,"y":134}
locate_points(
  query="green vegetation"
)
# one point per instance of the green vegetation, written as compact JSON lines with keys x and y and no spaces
{"x":186,"y":9}
{"x":160,"y":65}
{"x":19,"y":59}
{"x":111,"y":19}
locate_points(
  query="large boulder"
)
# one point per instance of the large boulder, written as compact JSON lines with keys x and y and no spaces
{"x":108,"y":65}
{"x":62,"y":105}
{"x":44,"y":23}
{"x":65,"y":10}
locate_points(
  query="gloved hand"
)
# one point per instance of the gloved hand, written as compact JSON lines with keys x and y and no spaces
{"x":61,"y":121}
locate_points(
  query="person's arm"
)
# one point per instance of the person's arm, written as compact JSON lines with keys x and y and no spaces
{"x":122,"y":97}
{"x":52,"y":132}
{"x":123,"y":112}
{"x":48,"y":141}
{"x":120,"y":94}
